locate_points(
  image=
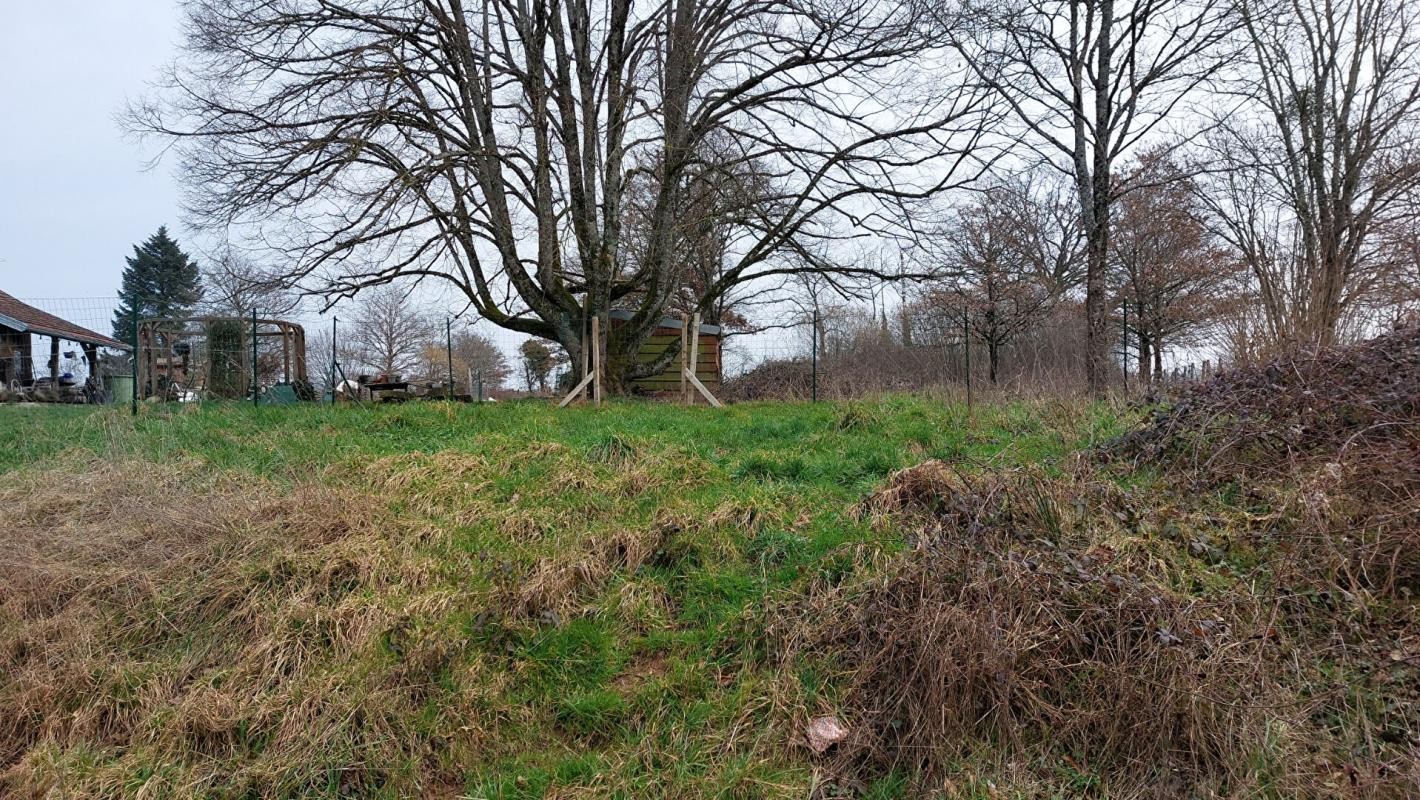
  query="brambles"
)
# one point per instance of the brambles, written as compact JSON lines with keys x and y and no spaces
{"x":1319,"y":403}
{"x":1012,"y":631}
{"x":1328,"y":439}
{"x":1219,"y":602}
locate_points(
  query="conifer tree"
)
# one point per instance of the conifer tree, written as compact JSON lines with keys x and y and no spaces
{"x":160,"y":281}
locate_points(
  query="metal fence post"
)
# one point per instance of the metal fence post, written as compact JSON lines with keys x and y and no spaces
{"x":333,"y":322}
{"x":255,"y":386}
{"x":134,"y":399}
{"x":1125,"y":357}
{"x":966,"y":348}
{"x":813,"y":335}
{"x":449,"y":351}
{"x":480,"y":386}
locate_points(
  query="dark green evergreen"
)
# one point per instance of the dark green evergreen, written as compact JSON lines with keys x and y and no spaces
{"x":160,"y":281}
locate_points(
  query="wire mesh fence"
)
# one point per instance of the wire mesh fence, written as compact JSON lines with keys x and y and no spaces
{"x":855,"y":353}
{"x":221,"y":357}
{"x":84,"y":350}
{"x":59,"y":350}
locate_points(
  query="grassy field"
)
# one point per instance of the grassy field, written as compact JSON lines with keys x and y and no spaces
{"x":1038,"y":599}
{"x":492,"y":601}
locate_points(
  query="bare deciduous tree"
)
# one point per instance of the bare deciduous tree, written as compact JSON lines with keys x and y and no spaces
{"x":464,"y":358}
{"x":388,"y":332}
{"x":235,"y":285}
{"x":1171,"y":272}
{"x":491,"y":146}
{"x":1323,"y":154}
{"x":1087,"y":81}
{"x":997,"y":281}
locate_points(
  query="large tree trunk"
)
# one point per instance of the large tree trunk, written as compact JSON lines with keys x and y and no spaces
{"x":1097,"y":247}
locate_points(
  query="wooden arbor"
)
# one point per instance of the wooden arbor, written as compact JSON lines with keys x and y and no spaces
{"x":215,"y":356}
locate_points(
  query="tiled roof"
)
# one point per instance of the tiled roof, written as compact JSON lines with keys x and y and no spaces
{"x":28,"y":319}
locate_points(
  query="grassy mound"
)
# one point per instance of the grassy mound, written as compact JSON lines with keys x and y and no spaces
{"x":176,"y":635}
{"x":1328,"y":439}
{"x":1224,"y":607}
{"x":1026,"y":627}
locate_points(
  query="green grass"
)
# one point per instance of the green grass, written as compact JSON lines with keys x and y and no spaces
{"x":829,"y":444}
{"x":644,"y":684}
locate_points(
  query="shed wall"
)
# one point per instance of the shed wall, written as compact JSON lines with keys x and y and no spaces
{"x":707,"y":367}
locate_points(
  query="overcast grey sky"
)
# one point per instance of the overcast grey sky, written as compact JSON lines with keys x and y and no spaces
{"x":73,"y":194}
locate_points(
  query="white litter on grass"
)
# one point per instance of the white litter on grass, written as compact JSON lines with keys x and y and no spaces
{"x":824,"y":732}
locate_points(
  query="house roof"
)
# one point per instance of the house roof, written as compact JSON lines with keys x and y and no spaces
{"x":26,"y":318}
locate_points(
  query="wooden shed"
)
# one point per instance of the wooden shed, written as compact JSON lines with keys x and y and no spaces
{"x":19,"y":322}
{"x":668,"y":332}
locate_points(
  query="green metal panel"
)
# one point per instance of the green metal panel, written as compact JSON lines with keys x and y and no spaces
{"x":120,"y":388}
{"x":280,"y":395}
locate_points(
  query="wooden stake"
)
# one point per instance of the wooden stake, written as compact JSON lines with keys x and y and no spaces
{"x":688,"y":368}
{"x":596,"y":361}
{"x":586,"y":363}
{"x":700,"y":387}
{"x":684,"y":358}
{"x":572,"y":395}
{"x":693,"y":335}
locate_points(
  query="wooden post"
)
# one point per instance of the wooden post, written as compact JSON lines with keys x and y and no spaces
{"x":54,"y":364}
{"x":287,"y":339}
{"x":693,"y":336}
{"x":684,"y":358}
{"x":596,"y":361}
{"x":93,"y":384}
{"x":586,"y":360}
{"x":687,"y":371}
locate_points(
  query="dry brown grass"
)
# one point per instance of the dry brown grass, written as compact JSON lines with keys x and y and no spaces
{"x":1245,"y":625}
{"x":246,"y":637}
{"x":1329,"y":438}
{"x":561,"y":586}
{"x":1016,"y":630}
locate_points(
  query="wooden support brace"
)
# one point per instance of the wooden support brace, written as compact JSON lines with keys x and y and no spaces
{"x":586,"y":364}
{"x":700,"y":387}
{"x":590,"y":377}
{"x":572,"y":395}
{"x":684,"y":358}
{"x":693,"y":337}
